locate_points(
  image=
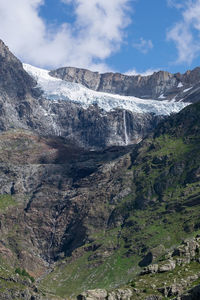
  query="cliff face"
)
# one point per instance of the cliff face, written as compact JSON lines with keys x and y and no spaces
{"x":77,"y":219}
{"x":148,"y":87}
{"x":49,"y":200}
{"x":159,"y":85}
{"x":23,"y":106}
{"x":155,"y":208}
{"x":14,"y":81}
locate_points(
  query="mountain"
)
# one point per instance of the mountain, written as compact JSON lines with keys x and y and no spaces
{"x":34,"y":100}
{"x":156,"y":209}
{"x":160,"y":85}
{"x":15,"y":83}
{"x":77,"y":220}
{"x":81,"y":220}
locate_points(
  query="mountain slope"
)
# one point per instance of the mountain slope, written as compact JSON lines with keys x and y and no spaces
{"x":159,"y":211}
{"x":73,"y":219}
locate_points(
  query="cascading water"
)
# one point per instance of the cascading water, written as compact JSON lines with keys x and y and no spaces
{"x":125,"y":129}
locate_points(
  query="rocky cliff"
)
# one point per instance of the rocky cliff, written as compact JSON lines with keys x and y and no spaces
{"x":110,"y":221}
{"x":157,"y":208}
{"x":160,"y":85}
{"x":22,"y":105}
{"x":15,"y":83}
{"x":96,"y":219}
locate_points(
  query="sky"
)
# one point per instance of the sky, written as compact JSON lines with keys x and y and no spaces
{"x":126,"y":36}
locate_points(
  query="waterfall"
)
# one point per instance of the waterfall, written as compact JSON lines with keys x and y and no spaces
{"x":125,"y":128}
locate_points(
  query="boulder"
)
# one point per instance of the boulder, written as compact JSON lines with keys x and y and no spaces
{"x":169,"y":266}
{"x":98,"y":294}
{"x":150,"y":269}
{"x":101,"y":294}
{"x":120,"y":294}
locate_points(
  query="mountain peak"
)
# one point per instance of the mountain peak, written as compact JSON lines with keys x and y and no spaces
{"x":6,"y":54}
{"x":15,"y":82}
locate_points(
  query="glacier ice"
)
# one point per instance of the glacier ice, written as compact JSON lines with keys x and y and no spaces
{"x":57,"y":89}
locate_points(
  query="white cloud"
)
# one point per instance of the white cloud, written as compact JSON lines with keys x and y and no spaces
{"x":176,"y":3}
{"x":186,"y":33}
{"x":143,"y":45}
{"x":96,"y":33}
{"x":144,"y":73}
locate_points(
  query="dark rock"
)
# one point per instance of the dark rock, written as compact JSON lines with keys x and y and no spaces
{"x":14,"y":81}
{"x":193,"y":294}
{"x":152,"y":255}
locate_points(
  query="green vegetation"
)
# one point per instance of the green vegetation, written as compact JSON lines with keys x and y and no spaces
{"x":24,"y":273}
{"x":6,"y":201}
{"x":9,"y":283}
{"x":162,"y":210}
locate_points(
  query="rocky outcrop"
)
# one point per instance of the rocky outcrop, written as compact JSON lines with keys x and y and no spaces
{"x":152,"y":255}
{"x":98,"y":294}
{"x":155,"y":268}
{"x":18,"y":287}
{"x":147,"y":87}
{"x":188,"y":251}
{"x":160,"y":85}
{"x":14,"y":81}
{"x":192,"y":294}
{"x":169,"y":266}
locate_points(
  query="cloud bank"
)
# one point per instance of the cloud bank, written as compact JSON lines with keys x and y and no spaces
{"x":97,"y":32}
{"x":186,"y":33}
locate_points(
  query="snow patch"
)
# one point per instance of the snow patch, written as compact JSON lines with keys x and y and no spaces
{"x":180,"y":85}
{"x":56,"y":89}
{"x":162,"y":97}
{"x":186,"y":90}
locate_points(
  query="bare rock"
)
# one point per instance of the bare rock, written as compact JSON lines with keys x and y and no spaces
{"x":120,"y":294}
{"x":98,"y":294}
{"x":173,"y":290}
{"x":192,"y":294}
{"x":101,"y":294}
{"x":150,"y":269}
{"x":169,"y":266}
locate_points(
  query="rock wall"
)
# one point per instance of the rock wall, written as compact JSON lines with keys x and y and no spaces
{"x":22,"y":106}
{"x":149,"y":87}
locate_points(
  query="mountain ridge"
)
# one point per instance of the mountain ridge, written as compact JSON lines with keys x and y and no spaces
{"x":160,"y":85}
{"x":78,"y":215}
{"x":24,"y":106}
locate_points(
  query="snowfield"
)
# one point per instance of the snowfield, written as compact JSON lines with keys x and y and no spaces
{"x":57,"y":89}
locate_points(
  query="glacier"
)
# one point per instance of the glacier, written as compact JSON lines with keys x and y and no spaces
{"x":57,"y":89}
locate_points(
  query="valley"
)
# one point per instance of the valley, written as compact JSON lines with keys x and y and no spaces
{"x":99,"y":193}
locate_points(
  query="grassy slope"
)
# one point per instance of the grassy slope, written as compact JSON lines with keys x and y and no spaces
{"x":162,"y":209}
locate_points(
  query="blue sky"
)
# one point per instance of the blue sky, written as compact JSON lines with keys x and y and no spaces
{"x":134,"y":36}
